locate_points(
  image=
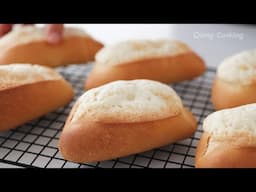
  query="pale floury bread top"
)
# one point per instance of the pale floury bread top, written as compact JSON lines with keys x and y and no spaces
{"x":20,"y":74}
{"x":128,"y":102}
{"x":237,"y":123}
{"x":134,"y":50}
{"x":26,"y":34}
{"x":239,"y":68}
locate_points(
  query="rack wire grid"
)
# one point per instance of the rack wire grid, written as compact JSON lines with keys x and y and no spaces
{"x":34,"y":144}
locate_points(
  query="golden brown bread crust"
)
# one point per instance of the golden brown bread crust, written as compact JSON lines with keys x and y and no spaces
{"x":168,"y":69}
{"x":225,"y":155}
{"x":24,"y":103}
{"x":71,"y":50}
{"x":228,"y":95}
{"x":88,"y":141}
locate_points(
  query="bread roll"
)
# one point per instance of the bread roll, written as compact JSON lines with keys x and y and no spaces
{"x":29,"y":91}
{"x":123,"y":118}
{"x":167,"y":61}
{"x":235,"y":82}
{"x":28,"y":44}
{"x":229,"y":139}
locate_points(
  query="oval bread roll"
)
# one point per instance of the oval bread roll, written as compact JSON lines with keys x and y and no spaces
{"x":28,"y":44}
{"x":30,"y":91}
{"x":229,"y":139}
{"x":167,"y":61}
{"x":123,"y":118}
{"x":235,"y":82}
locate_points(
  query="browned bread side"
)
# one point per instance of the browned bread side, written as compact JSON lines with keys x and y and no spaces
{"x":165,"y":61}
{"x":30,"y":95}
{"x":229,"y":139}
{"x":235,"y":82}
{"x":29,"y":45}
{"x":123,"y":118}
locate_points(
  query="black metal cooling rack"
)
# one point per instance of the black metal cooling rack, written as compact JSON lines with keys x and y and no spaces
{"x":34,"y":144}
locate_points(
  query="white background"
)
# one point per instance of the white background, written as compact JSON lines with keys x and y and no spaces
{"x":213,"y":50}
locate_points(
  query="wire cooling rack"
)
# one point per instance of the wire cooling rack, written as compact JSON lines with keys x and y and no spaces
{"x":34,"y":144}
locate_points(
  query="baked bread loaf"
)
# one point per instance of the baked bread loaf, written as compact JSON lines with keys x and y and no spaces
{"x":235,"y":82}
{"x":122,"y":118}
{"x":229,"y":139}
{"x":28,"y":44}
{"x":167,"y":61}
{"x":29,"y":91}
